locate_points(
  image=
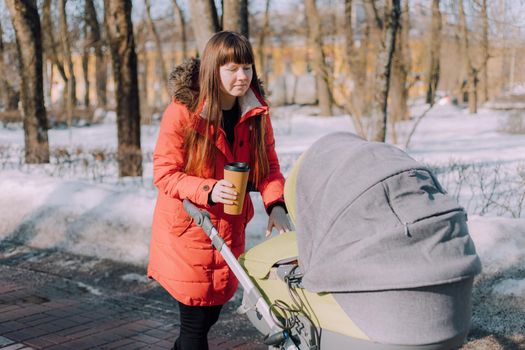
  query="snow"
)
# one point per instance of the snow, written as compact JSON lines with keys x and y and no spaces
{"x":110,"y":221}
{"x":90,"y":289}
{"x":499,"y":242}
{"x":450,"y":133}
{"x":511,"y":287}
{"x":135,"y":277}
{"x":74,"y":210}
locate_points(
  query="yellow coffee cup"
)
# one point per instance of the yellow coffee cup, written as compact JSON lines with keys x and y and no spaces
{"x":237,"y":173}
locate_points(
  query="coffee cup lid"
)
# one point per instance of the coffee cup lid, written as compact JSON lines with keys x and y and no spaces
{"x":237,"y":166}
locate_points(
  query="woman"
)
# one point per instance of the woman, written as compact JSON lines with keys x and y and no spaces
{"x":217,"y":116}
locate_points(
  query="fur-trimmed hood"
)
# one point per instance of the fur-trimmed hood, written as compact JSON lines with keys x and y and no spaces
{"x":183,"y":83}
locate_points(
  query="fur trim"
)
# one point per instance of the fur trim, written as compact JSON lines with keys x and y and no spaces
{"x":183,"y":83}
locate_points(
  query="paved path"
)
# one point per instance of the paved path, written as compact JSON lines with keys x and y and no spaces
{"x":55,"y":300}
{"x":39,"y":310}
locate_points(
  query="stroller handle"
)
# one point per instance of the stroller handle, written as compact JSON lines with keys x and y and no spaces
{"x":202,"y":219}
{"x":193,"y":211}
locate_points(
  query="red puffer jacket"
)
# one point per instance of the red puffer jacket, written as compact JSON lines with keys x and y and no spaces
{"x":182,"y":258}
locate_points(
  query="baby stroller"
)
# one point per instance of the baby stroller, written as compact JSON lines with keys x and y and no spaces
{"x":381,"y":258}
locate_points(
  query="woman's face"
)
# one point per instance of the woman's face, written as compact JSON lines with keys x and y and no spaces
{"x":235,"y":78}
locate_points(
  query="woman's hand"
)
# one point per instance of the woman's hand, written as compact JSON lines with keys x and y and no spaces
{"x":223,"y":192}
{"x":279,"y":220}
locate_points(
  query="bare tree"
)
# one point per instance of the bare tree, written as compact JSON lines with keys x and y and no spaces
{"x":356,"y":62}
{"x":85,"y":66}
{"x":182,"y":22}
{"x":204,"y":21}
{"x":140,"y":37}
{"x":4,"y":86}
{"x":119,"y":28}
{"x":318,"y":60}
{"x":160,"y":57}
{"x":373,"y":13}
{"x":7,"y":93}
{"x":95,"y":40}
{"x":400,"y":69}
{"x":469,"y":68}
{"x":66,"y":53}
{"x":383,"y":70}
{"x":349,"y":36}
{"x":485,"y":52}
{"x":432,"y":75}
{"x":3,"y":80}
{"x":235,"y":16}
{"x":26,"y":22}
{"x":262,"y":40}
{"x":49,"y":40}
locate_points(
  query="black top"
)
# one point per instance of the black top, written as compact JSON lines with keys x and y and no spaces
{"x":230,"y":118}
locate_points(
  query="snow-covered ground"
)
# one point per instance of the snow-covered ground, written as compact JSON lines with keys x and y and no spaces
{"x":75,"y":210}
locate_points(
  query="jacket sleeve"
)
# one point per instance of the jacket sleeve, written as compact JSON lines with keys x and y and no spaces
{"x":272,"y":186}
{"x":168,"y":161}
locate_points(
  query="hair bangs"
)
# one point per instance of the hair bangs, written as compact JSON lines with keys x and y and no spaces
{"x":236,"y":49}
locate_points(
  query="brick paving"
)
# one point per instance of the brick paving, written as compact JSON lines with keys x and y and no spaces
{"x":39,"y":311}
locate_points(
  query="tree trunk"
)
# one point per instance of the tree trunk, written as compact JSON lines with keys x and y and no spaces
{"x":262,"y":39}
{"x":485,"y":53}
{"x":319,"y":63}
{"x":48,"y":79}
{"x":353,"y":103}
{"x":349,"y":38}
{"x":362,"y":81}
{"x":143,"y":90}
{"x":235,"y":16}
{"x":182,"y":23}
{"x":400,"y":69}
{"x":121,"y":41}
{"x":470,"y":70}
{"x":142,"y":67}
{"x":66,"y":52}
{"x":100,"y":61}
{"x":49,"y":39}
{"x":512,"y":64}
{"x":85,"y":66}
{"x":204,"y":21}
{"x":10,"y":97}
{"x":160,"y":57}
{"x":3,"y":81}
{"x":384,"y":64}
{"x":373,"y":14}
{"x":26,"y":22}
{"x":435,"y":52}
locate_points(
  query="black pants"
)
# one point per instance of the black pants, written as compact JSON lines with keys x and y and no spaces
{"x":195,"y":322}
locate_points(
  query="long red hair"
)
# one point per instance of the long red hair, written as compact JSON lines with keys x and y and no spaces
{"x":223,"y":47}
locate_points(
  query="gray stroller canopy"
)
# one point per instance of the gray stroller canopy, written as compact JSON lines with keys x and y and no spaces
{"x":371,"y":218}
